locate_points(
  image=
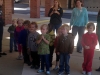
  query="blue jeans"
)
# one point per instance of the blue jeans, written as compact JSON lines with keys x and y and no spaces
{"x":45,"y":61}
{"x":80,"y":31}
{"x":64,"y":61}
{"x":12,"y":44}
{"x":55,"y":27}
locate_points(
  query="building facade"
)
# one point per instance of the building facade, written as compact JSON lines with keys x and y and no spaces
{"x":91,"y":5}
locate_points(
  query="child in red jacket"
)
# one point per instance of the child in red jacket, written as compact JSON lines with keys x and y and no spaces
{"x":89,"y":41}
{"x":16,"y":33}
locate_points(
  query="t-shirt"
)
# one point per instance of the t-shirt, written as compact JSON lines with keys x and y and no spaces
{"x":43,"y":48}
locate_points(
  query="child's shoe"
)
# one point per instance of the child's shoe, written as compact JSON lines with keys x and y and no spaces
{"x":84,"y":72}
{"x":32,"y":67}
{"x":60,"y":73}
{"x":40,"y":71}
{"x":56,"y":68}
{"x":88,"y":73}
{"x":48,"y":73}
{"x":20,"y":58}
{"x":98,"y":69}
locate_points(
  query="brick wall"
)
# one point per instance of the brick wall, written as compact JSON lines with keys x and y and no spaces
{"x":7,"y":11}
{"x":34,"y":8}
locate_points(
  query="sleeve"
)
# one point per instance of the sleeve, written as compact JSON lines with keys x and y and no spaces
{"x":61,"y":12}
{"x":48,"y":38}
{"x":20,"y":37}
{"x":15,"y":35}
{"x":50,"y":12}
{"x":72,"y":18}
{"x":82,"y":41}
{"x":28,"y":41}
{"x":71,"y":46}
{"x":94,"y":43}
{"x":86,"y":16}
{"x":9,"y":30}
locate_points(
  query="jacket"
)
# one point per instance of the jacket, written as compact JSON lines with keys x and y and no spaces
{"x":17,"y":32}
{"x":89,"y":40}
{"x":11,"y":30}
{"x":65,"y":44}
{"x":23,"y":37}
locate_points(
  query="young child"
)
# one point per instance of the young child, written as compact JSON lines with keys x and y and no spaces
{"x":11,"y":30}
{"x":65,"y":47}
{"x":23,"y":36}
{"x":51,"y":44}
{"x":43,"y":49}
{"x":89,"y":41}
{"x":32,"y":46}
{"x":59,"y":33}
{"x":16,"y":33}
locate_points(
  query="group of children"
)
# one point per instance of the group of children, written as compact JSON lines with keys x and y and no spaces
{"x":37,"y":49}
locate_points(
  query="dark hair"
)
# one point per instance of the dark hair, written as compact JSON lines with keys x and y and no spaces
{"x":26,"y":22}
{"x":34,"y":23}
{"x":91,"y":24}
{"x":98,"y":13}
{"x":76,"y":2}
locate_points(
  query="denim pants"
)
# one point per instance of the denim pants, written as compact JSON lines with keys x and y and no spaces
{"x":64,"y":61}
{"x":55,"y":27}
{"x":12,"y":44}
{"x":45,"y":61}
{"x":80,"y":31}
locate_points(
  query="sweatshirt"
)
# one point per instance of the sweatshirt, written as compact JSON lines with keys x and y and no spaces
{"x":11,"y":30}
{"x":79,"y":17}
{"x":23,"y":37}
{"x":31,"y":44}
{"x":17,"y":32}
{"x":89,"y":40}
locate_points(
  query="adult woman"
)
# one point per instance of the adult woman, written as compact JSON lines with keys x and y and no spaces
{"x":55,"y":15}
{"x":98,"y":31}
{"x":79,"y":19}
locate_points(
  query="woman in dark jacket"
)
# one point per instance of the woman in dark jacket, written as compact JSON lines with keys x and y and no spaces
{"x":55,"y":15}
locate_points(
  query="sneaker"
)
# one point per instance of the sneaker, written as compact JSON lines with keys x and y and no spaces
{"x":60,"y":73}
{"x":98,"y":69}
{"x":36,"y":67}
{"x":20,"y":58}
{"x":56,"y":68}
{"x":48,"y":72}
{"x":40,"y":71}
{"x":88,"y":73}
{"x":32,"y":67}
{"x":84,"y":72}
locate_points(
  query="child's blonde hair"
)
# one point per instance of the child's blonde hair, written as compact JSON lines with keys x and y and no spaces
{"x":91,"y":24}
{"x":15,"y":21}
{"x":20,"y":20}
{"x":66,"y":26}
{"x":44,"y":25}
{"x":58,"y":30}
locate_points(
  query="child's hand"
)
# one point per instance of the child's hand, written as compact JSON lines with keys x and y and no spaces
{"x":42,"y":37}
{"x":87,"y":47}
